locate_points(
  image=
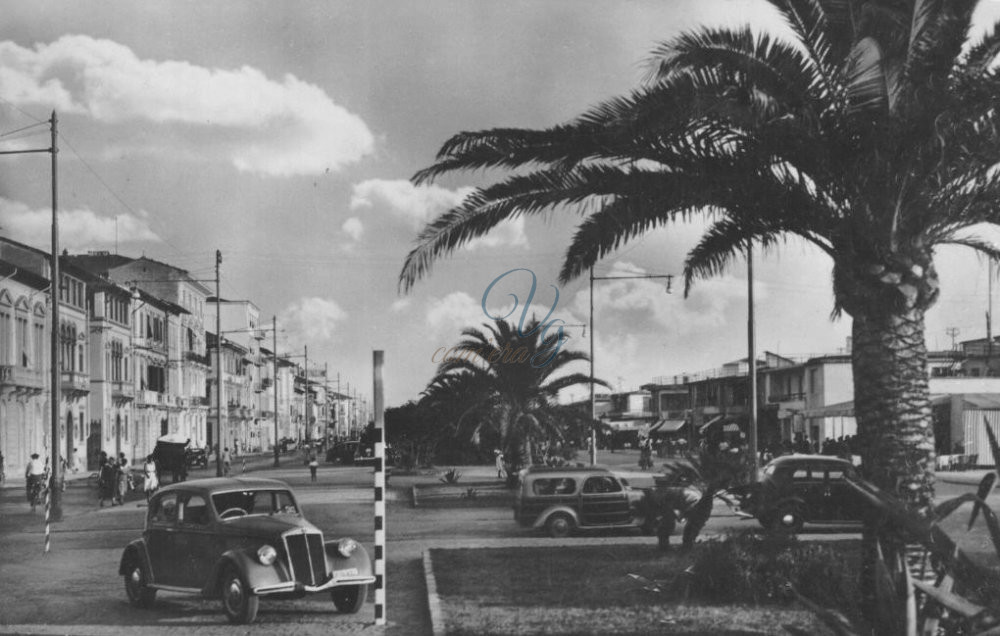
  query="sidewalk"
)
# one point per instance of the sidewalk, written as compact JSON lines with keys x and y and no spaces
{"x":80,"y":495}
{"x":964,"y":477}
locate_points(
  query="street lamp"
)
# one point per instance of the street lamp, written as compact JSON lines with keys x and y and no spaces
{"x":593,"y":406}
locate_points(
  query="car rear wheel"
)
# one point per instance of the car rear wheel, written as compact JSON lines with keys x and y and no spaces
{"x":349,"y":599}
{"x":238,"y":601}
{"x":787,"y":519}
{"x":559,"y":525}
{"x":137,"y":587}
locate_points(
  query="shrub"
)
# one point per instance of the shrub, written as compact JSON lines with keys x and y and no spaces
{"x":757,"y":569}
{"x":451,"y":476}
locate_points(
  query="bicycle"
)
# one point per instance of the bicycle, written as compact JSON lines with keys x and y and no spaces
{"x":36,"y":490}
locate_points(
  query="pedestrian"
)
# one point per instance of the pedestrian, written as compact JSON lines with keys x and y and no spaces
{"x":3,"y":475}
{"x":34,"y":478}
{"x":106,"y":480}
{"x":122,"y":476}
{"x":227,"y":461}
{"x":151,"y":481}
{"x":501,"y":471}
{"x":313,"y":464}
{"x":78,"y":462}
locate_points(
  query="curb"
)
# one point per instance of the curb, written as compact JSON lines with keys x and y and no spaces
{"x":433,"y":600}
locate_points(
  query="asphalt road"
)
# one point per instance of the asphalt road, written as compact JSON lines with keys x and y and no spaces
{"x":75,"y":588}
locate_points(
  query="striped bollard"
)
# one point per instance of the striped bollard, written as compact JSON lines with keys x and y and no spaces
{"x":48,"y":507}
{"x":379,"y":492}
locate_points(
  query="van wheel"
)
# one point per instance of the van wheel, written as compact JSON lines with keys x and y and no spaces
{"x":559,"y":525}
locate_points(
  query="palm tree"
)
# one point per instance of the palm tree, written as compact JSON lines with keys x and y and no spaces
{"x":871,"y":132}
{"x":505,"y":379}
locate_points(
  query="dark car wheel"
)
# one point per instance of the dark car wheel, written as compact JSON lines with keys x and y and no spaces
{"x":238,"y":601}
{"x":787,"y":519}
{"x":559,"y":525}
{"x":136,"y":587}
{"x":349,"y":599}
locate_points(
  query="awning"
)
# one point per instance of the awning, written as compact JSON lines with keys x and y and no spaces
{"x":627,"y":425}
{"x":703,"y":427}
{"x":840,"y":409}
{"x":731,"y":427}
{"x":667,"y":426}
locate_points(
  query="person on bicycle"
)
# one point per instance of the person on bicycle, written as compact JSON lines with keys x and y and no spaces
{"x":34,"y":477}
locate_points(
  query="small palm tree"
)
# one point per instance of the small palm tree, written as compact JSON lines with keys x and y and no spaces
{"x":506,"y":380}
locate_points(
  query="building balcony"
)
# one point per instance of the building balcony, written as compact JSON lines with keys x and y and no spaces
{"x":21,"y":380}
{"x":786,"y":397}
{"x":74,"y":383}
{"x":149,"y":343}
{"x":122,"y":390}
{"x":199,"y":400}
{"x":149,"y":398}
{"x":194,"y":356}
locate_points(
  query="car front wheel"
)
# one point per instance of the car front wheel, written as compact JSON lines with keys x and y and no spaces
{"x":136,"y":587}
{"x":349,"y":599}
{"x":238,"y":601}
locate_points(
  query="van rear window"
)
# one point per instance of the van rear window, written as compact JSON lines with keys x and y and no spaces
{"x":554,"y":486}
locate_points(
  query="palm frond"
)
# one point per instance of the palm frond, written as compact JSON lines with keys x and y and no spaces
{"x":867,"y":85}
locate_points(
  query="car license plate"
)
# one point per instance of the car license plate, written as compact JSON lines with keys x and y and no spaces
{"x":340,"y":574}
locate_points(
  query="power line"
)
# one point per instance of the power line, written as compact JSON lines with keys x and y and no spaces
{"x":28,"y":127}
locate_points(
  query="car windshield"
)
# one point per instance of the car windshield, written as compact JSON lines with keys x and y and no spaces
{"x":240,"y":503}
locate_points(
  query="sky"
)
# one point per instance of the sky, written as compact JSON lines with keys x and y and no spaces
{"x":284,"y":134}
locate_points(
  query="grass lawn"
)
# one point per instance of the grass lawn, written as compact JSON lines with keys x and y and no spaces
{"x":588,"y":590}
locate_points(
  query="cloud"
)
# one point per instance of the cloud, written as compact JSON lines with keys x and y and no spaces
{"x":311,"y":321}
{"x":353,"y":228}
{"x":456,"y":311}
{"x":81,"y":228}
{"x":414,"y":204}
{"x":400,"y":305}
{"x":507,"y":234}
{"x":266,"y":126}
{"x":417,"y":205}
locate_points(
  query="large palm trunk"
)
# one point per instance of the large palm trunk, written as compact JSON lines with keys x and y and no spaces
{"x":892,"y":404}
{"x":893,"y":412}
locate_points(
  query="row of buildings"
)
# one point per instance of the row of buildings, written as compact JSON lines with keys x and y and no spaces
{"x":808,"y":398}
{"x":136,"y":356}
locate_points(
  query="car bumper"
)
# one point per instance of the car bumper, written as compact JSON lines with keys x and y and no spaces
{"x":295,"y":586}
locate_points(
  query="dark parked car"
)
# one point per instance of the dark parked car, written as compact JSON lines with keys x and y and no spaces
{"x":563,"y":500}
{"x":799,"y":489}
{"x":237,"y":540}
{"x":344,"y":452}
{"x":196,"y":457}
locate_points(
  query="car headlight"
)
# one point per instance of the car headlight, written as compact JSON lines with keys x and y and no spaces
{"x":346,"y":547}
{"x":266,"y":554}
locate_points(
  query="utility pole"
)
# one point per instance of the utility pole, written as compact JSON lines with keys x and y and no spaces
{"x":989,"y":317}
{"x":274,"y":386}
{"x":55,"y":511}
{"x":218,"y":368}
{"x":752,"y":355}
{"x":306,"y":372}
{"x":593,"y":404}
{"x":952,"y":331}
